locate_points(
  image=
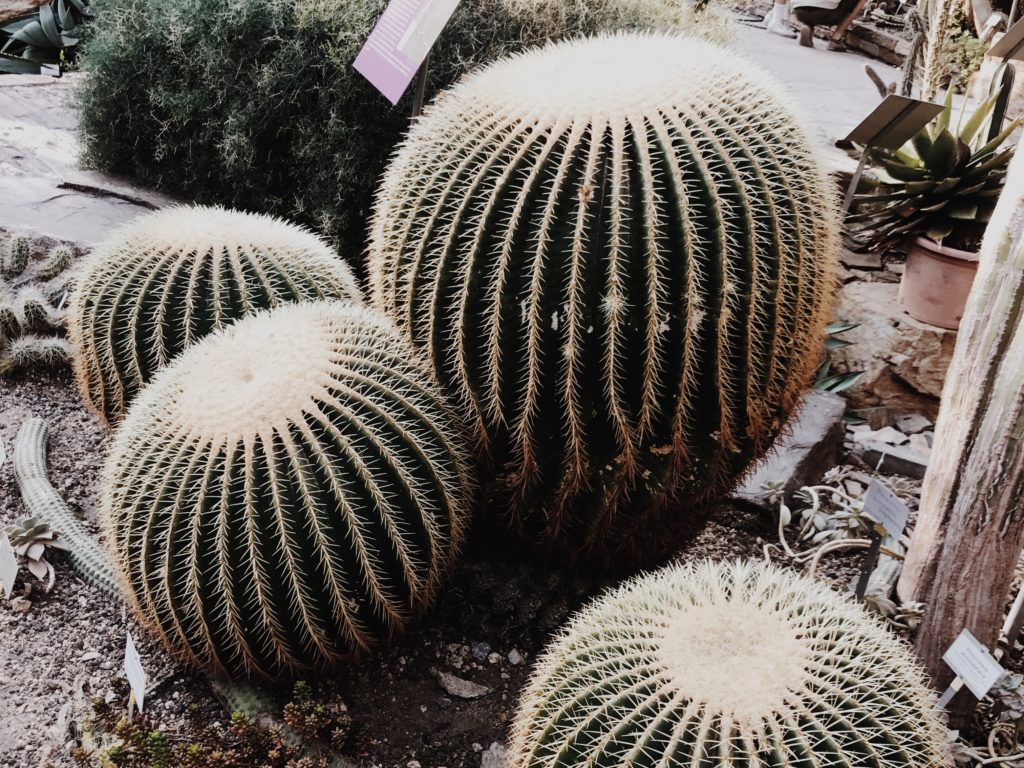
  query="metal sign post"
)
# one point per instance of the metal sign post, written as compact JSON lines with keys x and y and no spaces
{"x":889,"y":126}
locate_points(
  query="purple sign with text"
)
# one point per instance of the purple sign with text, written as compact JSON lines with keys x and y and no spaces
{"x":400,"y":42}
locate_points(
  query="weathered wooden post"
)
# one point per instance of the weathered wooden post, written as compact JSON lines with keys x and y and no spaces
{"x":970,"y":530}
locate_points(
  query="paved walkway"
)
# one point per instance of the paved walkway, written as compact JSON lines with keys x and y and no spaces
{"x":41,"y":187}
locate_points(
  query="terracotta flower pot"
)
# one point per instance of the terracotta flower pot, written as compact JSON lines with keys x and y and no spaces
{"x":936,"y":282}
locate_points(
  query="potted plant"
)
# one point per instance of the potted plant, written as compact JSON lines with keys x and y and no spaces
{"x":933,"y":198}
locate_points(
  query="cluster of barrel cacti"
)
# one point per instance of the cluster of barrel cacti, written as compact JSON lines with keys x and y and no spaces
{"x":32,"y":292}
{"x":604,"y":267}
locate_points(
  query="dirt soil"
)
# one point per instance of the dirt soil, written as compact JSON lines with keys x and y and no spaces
{"x":68,"y":646}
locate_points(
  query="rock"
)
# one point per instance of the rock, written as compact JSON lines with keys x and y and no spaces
{"x":912,"y":423}
{"x":893,"y":459}
{"x":494,"y":757}
{"x":904,"y":360}
{"x":803,"y":452}
{"x":21,"y":605}
{"x":921,"y":444}
{"x":480,"y":651}
{"x":887,"y":435}
{"x":493,"y":658}
{"x":12,"y":9}
{"x":463,"y":689}
{"x":515,"y":658}
{"x":856,"y":260}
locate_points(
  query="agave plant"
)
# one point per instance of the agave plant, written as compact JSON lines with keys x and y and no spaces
{"x":30,"y":538}
{"x":42,"y":36}
{"x":942,"y":185}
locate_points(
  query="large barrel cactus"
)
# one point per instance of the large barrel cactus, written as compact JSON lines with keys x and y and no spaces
{"x":727,"y":666}
{"x":286,"y":492}
{"x":619,"y":253}
{"x":173,"y":276}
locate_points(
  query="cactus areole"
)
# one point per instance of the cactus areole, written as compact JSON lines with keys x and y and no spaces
{"x":620,"y":254}
{"x":734,"y":665}
{"x":288,"y":491}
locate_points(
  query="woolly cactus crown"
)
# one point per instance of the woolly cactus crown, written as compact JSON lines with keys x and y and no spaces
{"x":167,"y":279}
{"x":287,"y":491}
{"x":620,"y":254}
{"x":729,"y":665}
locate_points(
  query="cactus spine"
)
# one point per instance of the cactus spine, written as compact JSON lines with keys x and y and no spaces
{"x":173,"y":276}
{"x":620,"y":253}
{"x":722,"y":666}
{"x":288,"y":491}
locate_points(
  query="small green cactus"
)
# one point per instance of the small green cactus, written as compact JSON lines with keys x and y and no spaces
{"x":727,"y":666}
{"x":286,"y":492}
{"x":15,"y":255}
{"x":173,"y":276}
{"x":619,"y":253}
{"x":34,"y":312}
{"x":30,"y":351}
{"x":57,"y":261}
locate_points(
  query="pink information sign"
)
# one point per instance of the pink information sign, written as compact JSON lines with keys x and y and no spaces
{"x":400,"y":42}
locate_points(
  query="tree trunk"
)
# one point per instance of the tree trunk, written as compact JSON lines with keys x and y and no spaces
{"x":970,"y":529}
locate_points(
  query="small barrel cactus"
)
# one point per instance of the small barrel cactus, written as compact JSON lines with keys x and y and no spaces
{"x":173,"y":276}
{"x":722,"y":666}
{"x":286,"y":492}
{"x":619,"y":252}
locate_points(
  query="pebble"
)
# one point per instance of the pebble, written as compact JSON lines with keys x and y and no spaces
{"x":912,"y":423}
{"x":515,"y":658}
{"x":481,"y":651}
{"x":494,"y":757}
{"x":21,"y":605}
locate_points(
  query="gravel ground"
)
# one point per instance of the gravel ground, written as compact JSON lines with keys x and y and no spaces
{"x":67,"y":647}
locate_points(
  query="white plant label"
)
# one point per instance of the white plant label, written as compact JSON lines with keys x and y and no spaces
{"x":973,"y":664}
{"x":400,"y":42}
{"x":8,"y":565}
{"x":134,"y":672}
{"x":886,"y":508}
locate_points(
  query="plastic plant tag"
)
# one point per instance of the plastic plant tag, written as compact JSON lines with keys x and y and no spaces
{"x":885,"y":508}
{"x":8,"y":565}
{"x":400,"y":42}
{"x":134,"y":672}
{"x":973,"y":664}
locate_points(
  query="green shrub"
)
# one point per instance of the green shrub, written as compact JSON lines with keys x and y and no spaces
{"x":619,"y":252}
{"x":255,"y":104}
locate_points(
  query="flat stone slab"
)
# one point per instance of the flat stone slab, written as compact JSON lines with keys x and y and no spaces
{"x":45,"y":193}
{"x":806,"y":450}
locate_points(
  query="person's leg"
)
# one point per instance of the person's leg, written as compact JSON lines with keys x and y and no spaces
{"x":839,"y":33}
{"x":777,"y":20}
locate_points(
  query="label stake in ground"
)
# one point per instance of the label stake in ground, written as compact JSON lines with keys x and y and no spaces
{"x":8,"y":565}
{"x":887,"y":509}
{"x":135,"y":673}
{"x":975,"y":667}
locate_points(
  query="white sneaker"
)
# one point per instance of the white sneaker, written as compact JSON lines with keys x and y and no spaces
{"x":776,"y":22}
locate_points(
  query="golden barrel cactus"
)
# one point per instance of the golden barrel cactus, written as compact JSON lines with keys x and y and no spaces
{"x":734,"y":665}
{"x":286,"y":492}
{"x":619,"y":253}
{"x":169,"y":278}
